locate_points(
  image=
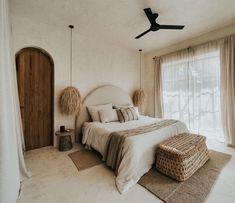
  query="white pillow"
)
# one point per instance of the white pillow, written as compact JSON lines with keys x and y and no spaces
{"x":94,"y":110}
{"x":108,"y":115}
{"x":137,"y":111}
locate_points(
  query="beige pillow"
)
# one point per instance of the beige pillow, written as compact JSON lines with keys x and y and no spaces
{"x":127,"y":106}
{"x":108,"y":115}
{"x":94,"y":110}
{"x":127,"y":114}
{"x":122,"y":106}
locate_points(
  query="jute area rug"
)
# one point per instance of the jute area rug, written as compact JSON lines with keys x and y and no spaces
{"x":193,"y":190}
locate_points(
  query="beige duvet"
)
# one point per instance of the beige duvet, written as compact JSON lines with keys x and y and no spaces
{"x":138,"y":151}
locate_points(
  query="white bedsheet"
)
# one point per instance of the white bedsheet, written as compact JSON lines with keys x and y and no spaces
{"x":139,"y":150}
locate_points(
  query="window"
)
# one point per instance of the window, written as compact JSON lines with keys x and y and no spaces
{"x":191,"y":93}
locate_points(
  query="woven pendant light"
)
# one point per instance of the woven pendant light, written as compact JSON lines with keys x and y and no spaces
{"x":70,"y":98}
{"x":139,"y":95}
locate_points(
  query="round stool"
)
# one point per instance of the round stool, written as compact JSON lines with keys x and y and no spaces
{"x":65,"y":141}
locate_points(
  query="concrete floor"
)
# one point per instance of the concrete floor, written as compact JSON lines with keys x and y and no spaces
{"x":55,"y":179}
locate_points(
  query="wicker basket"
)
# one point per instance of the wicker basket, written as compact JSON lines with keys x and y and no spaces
{"x":181,"y":156}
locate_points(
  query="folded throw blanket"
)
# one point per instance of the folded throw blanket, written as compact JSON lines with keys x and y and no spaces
{"x":116,"y":141}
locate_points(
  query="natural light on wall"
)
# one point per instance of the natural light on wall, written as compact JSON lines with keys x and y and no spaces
{"x":191,"y":93}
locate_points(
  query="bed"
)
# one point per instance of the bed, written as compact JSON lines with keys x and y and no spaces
{"x":139,"y":150}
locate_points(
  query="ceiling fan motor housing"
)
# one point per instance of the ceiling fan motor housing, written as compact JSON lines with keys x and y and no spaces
{"x":154,"y":27}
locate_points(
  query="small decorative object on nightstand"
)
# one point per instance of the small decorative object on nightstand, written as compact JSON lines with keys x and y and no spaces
{"x":62,"y":128}
{"x":65,"y":141}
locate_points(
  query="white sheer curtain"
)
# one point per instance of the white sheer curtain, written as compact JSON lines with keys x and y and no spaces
{"x":12,"y":166}
{"x":191,"y":89}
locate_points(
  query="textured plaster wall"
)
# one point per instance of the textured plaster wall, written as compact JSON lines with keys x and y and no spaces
{"x":96,"y":61}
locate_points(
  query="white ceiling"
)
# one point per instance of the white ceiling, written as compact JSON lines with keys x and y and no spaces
{"x":122,"y":20}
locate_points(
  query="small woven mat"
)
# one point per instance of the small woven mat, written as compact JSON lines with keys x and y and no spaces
{"x":85,"y":159}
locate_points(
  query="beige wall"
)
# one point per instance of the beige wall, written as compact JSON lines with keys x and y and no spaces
{"x":149,"y":66}
{"x":95,"y":61}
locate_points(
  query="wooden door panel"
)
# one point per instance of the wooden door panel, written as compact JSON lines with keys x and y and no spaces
{"x":46,"y":75}
{"x":35,"y":85}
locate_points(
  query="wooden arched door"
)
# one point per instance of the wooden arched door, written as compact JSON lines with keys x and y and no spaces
{"x":35,"y":77}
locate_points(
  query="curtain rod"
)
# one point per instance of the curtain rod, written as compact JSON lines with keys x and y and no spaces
{"x":190,"y":46}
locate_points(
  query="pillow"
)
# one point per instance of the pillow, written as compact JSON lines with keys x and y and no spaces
{"x":127,"y":106}
{"x":122,"y":106}
{"x":127,"y":114}
{"x":108,"y":115}
{"x":94,"y":110}
{"x":137,"y":111}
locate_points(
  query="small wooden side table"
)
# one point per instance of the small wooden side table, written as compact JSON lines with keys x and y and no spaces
{"x":65,"y":140}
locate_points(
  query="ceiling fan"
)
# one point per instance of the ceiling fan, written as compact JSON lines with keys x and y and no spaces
{"x":155,"y":26}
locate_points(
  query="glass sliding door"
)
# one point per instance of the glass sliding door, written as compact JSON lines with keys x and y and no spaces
{"x":191,"y":92}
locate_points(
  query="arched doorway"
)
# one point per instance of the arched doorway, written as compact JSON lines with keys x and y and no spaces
{"x":35,"y":77}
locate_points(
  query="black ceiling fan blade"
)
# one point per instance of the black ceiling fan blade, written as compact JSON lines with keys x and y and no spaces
{"x":177,"y":27}
{"x":143,"y":34}
{"x":150,"y":16}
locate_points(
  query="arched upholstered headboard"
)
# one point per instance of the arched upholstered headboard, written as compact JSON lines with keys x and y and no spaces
{"x":101,"y":95}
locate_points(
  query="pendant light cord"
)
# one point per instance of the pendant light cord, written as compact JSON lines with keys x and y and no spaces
{"x":140,"y":50}
{"x":71,"y":52}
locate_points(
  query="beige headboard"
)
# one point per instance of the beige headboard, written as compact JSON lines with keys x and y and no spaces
{"x":101,"y":95}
